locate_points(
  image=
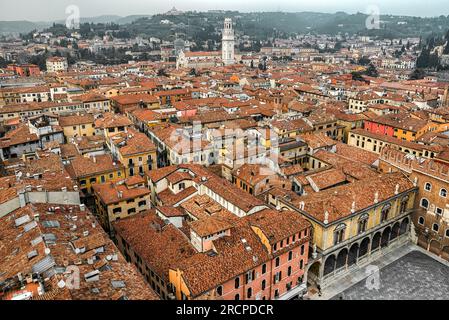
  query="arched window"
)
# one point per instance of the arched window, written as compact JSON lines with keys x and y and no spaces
{"x":384,"y":213}
{"x":404,"y":203}
{"x":237,"y":297}
{"x":237,"y":283}
{"x":219,"y":290}
{"x":447,"y":233}
{"x":277,"y":262}
{"x":250,"y":293}
{"x":363,"y":223}
{"x":435,"y":227}
{"x":339,"y":233}
{"x":424,"y":203}
{"x":428,"y":186}
{"x":264,"y":268}
{"x":421,"y":220}
{"x":443,"y":193}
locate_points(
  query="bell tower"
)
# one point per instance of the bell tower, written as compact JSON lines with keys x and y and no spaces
{"x":227,"y":43}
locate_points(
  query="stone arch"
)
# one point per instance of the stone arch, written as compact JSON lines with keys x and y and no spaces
{"x":385,"y":237}
{"x":435,"y":247}
{"x":329,"y":265}
{"x":364,"y":247}
{"x":404,"y":226}
{"x":342,"y":258}
{"x":395,"y":231}
{"x":353,"y":254}
{"x":445,"y":253}
{"x":313,"y":273}
{"x":375,"y":244}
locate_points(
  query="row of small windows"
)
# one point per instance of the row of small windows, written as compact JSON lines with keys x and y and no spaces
{"x":425,"y":204}
{"x":435,"y":226}
{"x":428,"y":187}
{"x":287,"y":241}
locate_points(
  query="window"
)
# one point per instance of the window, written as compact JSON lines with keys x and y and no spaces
{"x":277,"y":262}
{"x":237,"y":297}
{"x":117,"y":210}
{"x":424,"y":203}
{"x":289,"y":271}
{"x":421,"y":220}
{"x":290,"y":255}
{"x":443,"y":193}
{"x":301,"y":264}
{"x":363,"y":222}
{"x":277,"y":277}
{"x":447,"y":233}
{"x":435,"y":227}
{"x":220,"y":290}
{"x":264,"y":284}
{"x":131,"y":211}
{"x":237,"y":283}
{"x":303,"y":249}
{"x":264,"y":268}
{"x":384,"y":213}
{"x":142,"y":203}
{"x":404,"y":202}
{"x":428,"y":186}
{"x":250,"y":276}
{"x":439,"y":211}
{"x":249,"y":293}
{"x":339,"y":233}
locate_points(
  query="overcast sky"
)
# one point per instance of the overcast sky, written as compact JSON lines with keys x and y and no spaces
{"x":45,"y":10}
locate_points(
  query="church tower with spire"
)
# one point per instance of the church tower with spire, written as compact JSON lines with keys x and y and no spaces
{"x":227,"y":43}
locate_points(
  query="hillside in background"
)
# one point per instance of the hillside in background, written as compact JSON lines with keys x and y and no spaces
{"x":259,"y":25}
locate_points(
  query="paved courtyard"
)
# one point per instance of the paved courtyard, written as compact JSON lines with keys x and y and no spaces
{"x":414,"y":276}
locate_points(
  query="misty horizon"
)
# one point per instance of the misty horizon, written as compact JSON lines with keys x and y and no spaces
{"x":32,"y":10}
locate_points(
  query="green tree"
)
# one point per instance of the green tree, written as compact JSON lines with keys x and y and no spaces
{"x":417,"y":74}
{"x":372,"y":71}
